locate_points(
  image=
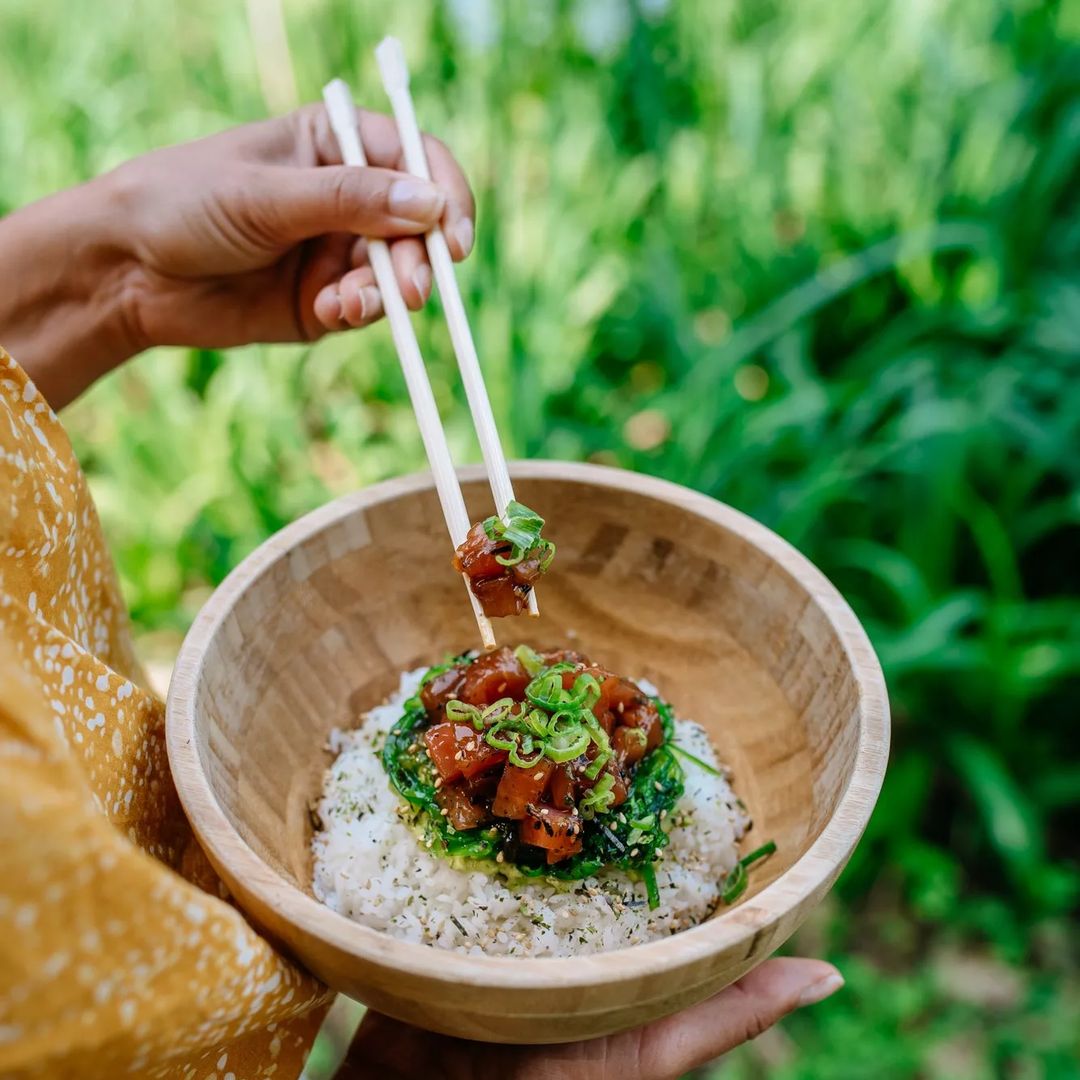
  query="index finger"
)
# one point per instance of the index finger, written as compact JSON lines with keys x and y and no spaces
{"x":382,"y":146}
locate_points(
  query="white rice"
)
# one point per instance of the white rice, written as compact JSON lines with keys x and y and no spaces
{"x":372,"y":867}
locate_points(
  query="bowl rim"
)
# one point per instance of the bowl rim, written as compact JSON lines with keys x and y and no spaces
{"x":813,"y":872}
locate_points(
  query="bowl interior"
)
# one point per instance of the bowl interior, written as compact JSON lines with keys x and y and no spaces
{"x":645,"y":584}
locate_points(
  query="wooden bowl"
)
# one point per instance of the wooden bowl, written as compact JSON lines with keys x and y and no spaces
{"x":738,"y":630}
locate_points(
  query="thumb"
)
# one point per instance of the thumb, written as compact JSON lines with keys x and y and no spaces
{"x":296,"y":204}
{"x":659,"y":1051}
{"x":676,"y":1044}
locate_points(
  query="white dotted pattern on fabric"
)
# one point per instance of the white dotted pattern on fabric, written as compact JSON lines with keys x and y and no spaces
{"x":116,"y":955}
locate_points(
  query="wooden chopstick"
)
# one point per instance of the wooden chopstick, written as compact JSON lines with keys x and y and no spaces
{"x":342,"y":112}
{"x":395,"y":77}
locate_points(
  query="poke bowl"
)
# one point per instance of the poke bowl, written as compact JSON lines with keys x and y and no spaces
{"x":294,"y":652}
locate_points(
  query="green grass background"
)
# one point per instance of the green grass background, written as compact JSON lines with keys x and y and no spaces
{"x":817,"y":259}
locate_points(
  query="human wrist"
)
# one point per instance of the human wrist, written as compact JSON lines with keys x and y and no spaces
{"x":68,"y":312}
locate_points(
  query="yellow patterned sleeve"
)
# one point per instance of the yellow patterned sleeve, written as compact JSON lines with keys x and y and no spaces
{"x":119,"y":954}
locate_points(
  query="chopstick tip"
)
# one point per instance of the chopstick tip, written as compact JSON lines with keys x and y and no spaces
{"x":339,"y":104}
{"x":390,"y":57}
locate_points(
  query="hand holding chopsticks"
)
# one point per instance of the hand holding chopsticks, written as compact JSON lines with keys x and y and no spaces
{"x":343,"y":120}
{"x":342,"y":111}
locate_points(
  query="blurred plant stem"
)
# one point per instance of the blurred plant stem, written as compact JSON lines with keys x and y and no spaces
{"x":271,"y":42}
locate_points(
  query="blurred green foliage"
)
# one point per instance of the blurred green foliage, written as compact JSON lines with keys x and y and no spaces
{"x":819,"y":260}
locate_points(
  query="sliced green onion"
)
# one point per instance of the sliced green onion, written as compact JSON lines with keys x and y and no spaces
{"x":599,"y":799}
{"x":529,"y":659}
{"x":564,"y":722}
{"x":521,"y":529}
{"x":567,"y":751}
{"x":599,"y":735}
{"x":759,"y":853}
{"x":696,"y":760}
{"x":521,"y":762}
{"x":495,"y":737}
{"x":586,"y":692}
{"x":537,"y":722}
{"x":523,"y":526}
{"x":734,"y":884}
{"x":523,"y":539}
{"x":515,"y":509}
{"x":546,"y":690}
{"x":598,"y":763}
{"x":548,"y":548}
{"x":567,"y":737}
{"x":498,"y":710}
{"x":644,"y":823}
{"x":463,"y":713}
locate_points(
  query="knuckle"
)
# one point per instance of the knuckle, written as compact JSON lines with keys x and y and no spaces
{"x":756,"y":1023}
{"x":756,"y":1019}
{"x":343,"y":196}
{"x":356,"y":195}
{"x":236,"y":181}
{"x":308,"y":123}
{"x":124,"y":184}
{"x":311,"y":113}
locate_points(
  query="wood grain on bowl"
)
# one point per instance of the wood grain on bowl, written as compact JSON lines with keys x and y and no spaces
{"x":737,"y":629}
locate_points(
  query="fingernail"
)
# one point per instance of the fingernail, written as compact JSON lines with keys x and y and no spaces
{"x":328,"y":305}
{"x":464,"y":232}
{"x":820,"y":990}
{"x":370,"y":302}
{"x":421,"y":278}
{"x":416,"y":200}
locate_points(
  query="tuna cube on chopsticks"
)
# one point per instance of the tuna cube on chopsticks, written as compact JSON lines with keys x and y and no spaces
{"x":503,"y":557}
{"x":501,"y":582}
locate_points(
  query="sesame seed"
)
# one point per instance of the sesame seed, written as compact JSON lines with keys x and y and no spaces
{"x":438,"y":783}
{"x":500,"y":857}
{"x":444,"y":811}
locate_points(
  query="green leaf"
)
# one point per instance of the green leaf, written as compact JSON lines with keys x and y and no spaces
{"x":1011,"y":821}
